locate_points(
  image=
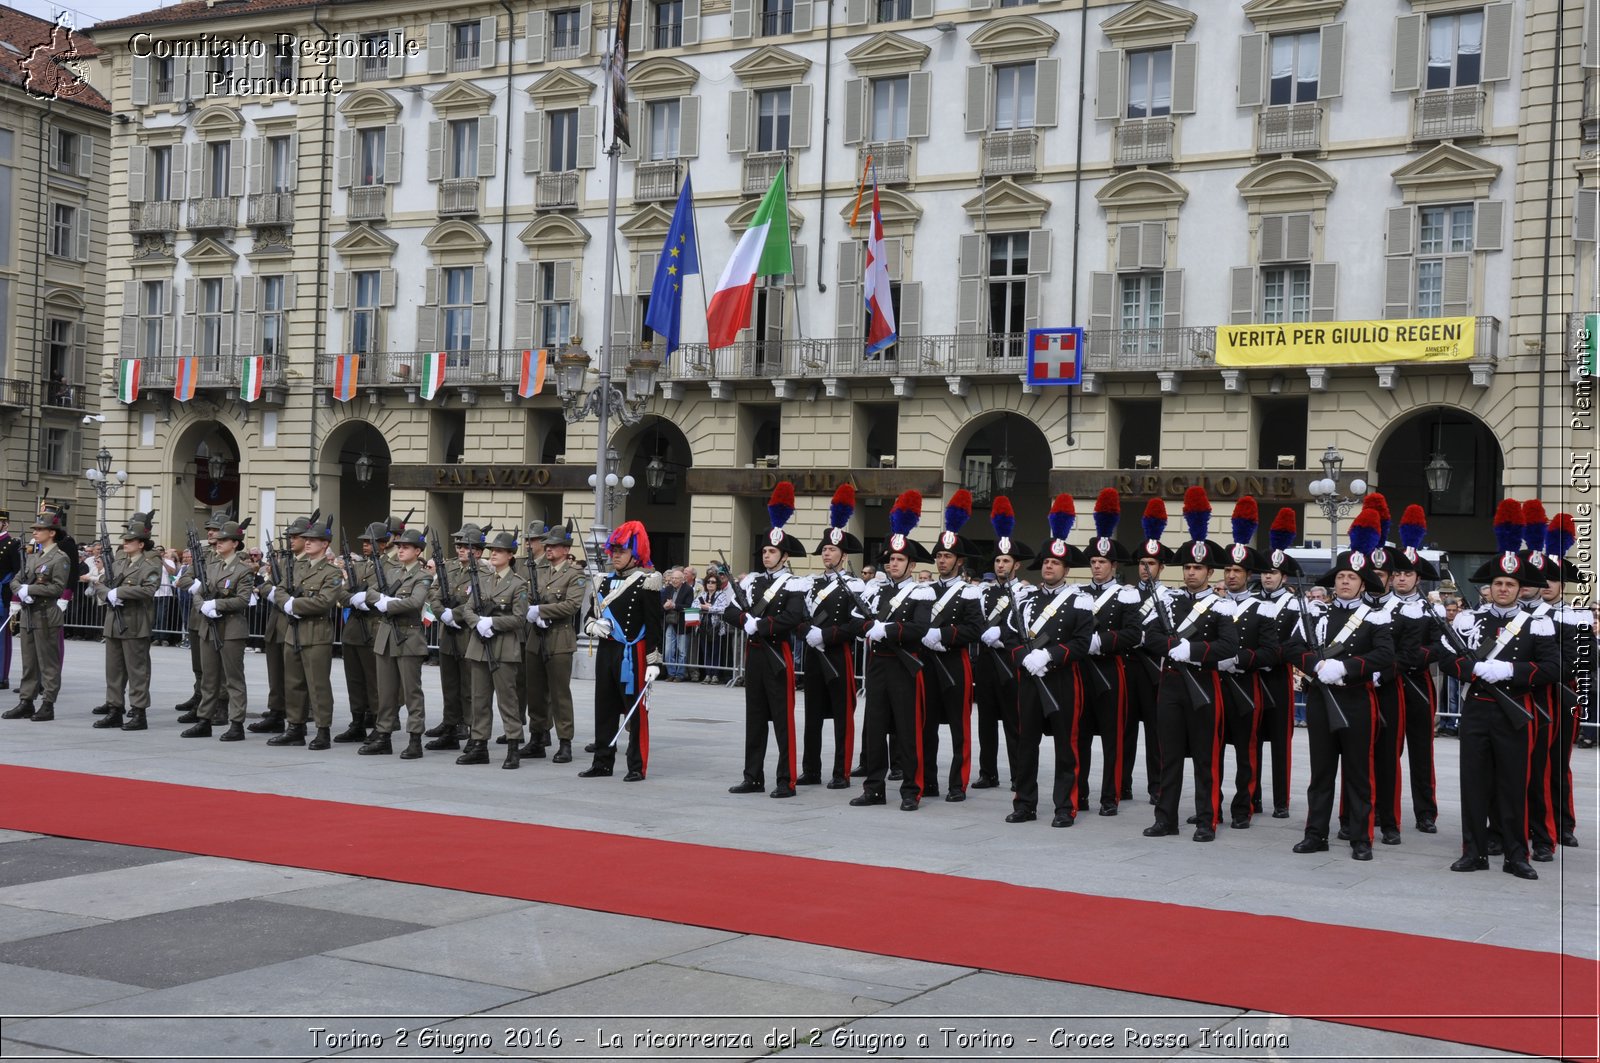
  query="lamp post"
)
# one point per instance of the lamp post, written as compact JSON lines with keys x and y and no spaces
{"x":610,"y":492}
{"x":105,"y":484}
{"x":1325,"y":492}
{"x":604,"y":400}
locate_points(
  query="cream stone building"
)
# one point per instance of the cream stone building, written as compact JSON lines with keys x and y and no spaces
{"x":1150,"y":171}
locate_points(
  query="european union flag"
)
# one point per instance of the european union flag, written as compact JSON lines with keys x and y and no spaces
{"x":678,"y":260}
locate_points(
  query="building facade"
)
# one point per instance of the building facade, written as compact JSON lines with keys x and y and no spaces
{"x":1149,"y":171}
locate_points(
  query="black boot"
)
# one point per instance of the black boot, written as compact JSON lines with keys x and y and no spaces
{"x":271,"y":723}
{"x":563,"y":754}
{"x":191,"y":716}
{"x":45,"y":713}
{"x":135,"y":721}
{"x":534,"y":748}
{"x":201,"y":729}
{"x":439,"y":730}
{"x":475,"y":753}
{"x":377,"y":745}
{"x":22,"y":710}
{"x":413,"y":749}
{"x":447,"y":740}
{"x":321,"y":741}
{"x":110,"y":720}
{"x":235,"y":732}
{"x":104,"y":709}
{"x":354,"y":733}
{"x":187,"y":706}
{"x":514,"y":755}
{"x":293,"y":735}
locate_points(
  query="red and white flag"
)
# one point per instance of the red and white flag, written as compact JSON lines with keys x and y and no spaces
{"x":881,"y":327}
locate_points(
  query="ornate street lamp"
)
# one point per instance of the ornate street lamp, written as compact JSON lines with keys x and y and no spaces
{"x":364,"y":468}
{"x":105,"y":484}
{"x":1325,"y":492}
{"x":1005,"y":474}
{"x":1437,"y":474}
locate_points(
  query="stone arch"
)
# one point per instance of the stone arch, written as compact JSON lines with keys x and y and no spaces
{"x":456,"y":236}
{"x":194,"y":496}
{"x":341,"y":491}
{"x":1461,"y":518}
{"x":992,"y":435}
{"x":218,"y":122}
{"x":664,"y":511}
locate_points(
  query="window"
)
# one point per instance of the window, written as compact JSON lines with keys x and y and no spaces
{"x":1139,"y":311}
{"x":63,"y":227}
{"x":464,"y":44}
{"x":1441,"y":231}
{"x":458,"y":310}
{"x":667,"y":24}
{"x":1285,"y":295}
{"x":280,"y":161}
{"x":1008,"y":275}
{"x":283,"y":59}
{"x":151,"y":320}
{"x":772,"y":120}
{"x":374,"y":57}
{"x":158,"y":174}
{"x":891,"y":108}
{"x":270,"y":325}
{"x":1296,"y":65}
{"x":56,"y":451}
{"x":893,"y":10}
{"x":555,"y":314}
{"x":1013,"y":96}
{"x":64,"y":151}
{"x":58,"y":348}
{"x":372,"y":144}
{"x":210,"y":332}
{"x":364,"y":314}
{"x":1455,"y":50}
{"x":562,"y":147}
{"x":777,"y":16}
{"x":463,"y":159}
{"x":161,"y":77}
{"x":1016,"y":3}
{"x":566,"y":27}
{"x":1149,"y":83}
{"x":663,"y":132}
{"x":219,"y":154}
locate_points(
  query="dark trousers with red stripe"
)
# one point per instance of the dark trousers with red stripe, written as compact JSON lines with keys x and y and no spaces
{"x":1494,"y":778}
{"x":894,"y":702}
{"x":827,"y":698}
{"x":612,"y":702}
{"x":1106,"y":712}
{"x":1276,"y":729}
{"x":1142,"y":684}
{"x":1388,"y":741}
{"x":1062,"y":727}
{"x":1416,"y":729}
{"x":1185,"y":732}
{"x":950,"y":705}
{"x":1561,"y":769}
{"x":1241,"y":729}
{"x":1347,"y":751}
{"x":1542,"y":828}
{"x":769,"y":701}
{"x":996,"y":693}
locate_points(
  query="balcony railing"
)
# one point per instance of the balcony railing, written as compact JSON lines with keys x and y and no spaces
{"x":464,"y":58}
{"x":373,"y":68}
{"x":63,"y":394}
{"x":1445,"y":115}
{"x":368,"y":203}
{"x":214,"y":372}
{"x":891,"y":158}
{"x":653,"y":181}
{"x":271,"y":208}
{"x":458,"y":196}
{"x":218,"y":213}
{"x":403,"y":369}
{"x":1281,"y":130}
{"x":556,"y":191}
{"x":1011,"y":151}
{"x":760,"y":168}
{"x":566,"y":45}
{"x":1144,"y":140}
{"x":157,"y":217}
{"x":15,"y":393}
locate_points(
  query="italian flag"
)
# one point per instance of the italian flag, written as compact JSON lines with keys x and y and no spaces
{"x":1591,"y":343}
{"x":128,"y":380}
{"x":763,"y":251}
{"x":432,"y":375}
{"x":250,"y":372}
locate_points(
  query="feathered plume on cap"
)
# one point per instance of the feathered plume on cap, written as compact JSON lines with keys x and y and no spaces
{"x":1535,"y":525}
{"x":1246,"y":519}
{"x":1003,"y":517}
{"x":1107,"y":513}
{"x":958,"y":510}
{"x":1366,"y":532}
{"x":1197,"y":513}
{"x":1154,"y":521}
{"x":1283,"y":531}
{"x":780,"y":507}
{"x":1413,"y":527}
{"x":843,"y":506}
{"x":1063,"y":515}
{"x":906,"y":514}
{"x":1379,"y":505}
{"x":633,"y":536}
{"x":1508,"y":526}
{"x":1561,"y":535}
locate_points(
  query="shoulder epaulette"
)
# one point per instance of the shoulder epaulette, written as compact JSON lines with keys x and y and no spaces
{"x":1128,"y":596}
{"x":923,"y":593}
{"x":972,"y":591}
{"x":652,"y":582}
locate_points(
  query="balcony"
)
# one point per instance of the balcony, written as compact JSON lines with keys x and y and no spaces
{"x":567,"y":45}
{"x":271,"y":208}
{"x":373,"y":68}
{"x":655,"y":181}
{"x":1143,"y":141}
{"x":1447,"y":115}
{"x":403,"y":369}
{"x":464,"y":57}
{"x":458,"y":197}
{"x":1011,"y":151}
{"x":215,"y":373}
{"x":1285,"y":130}
{"x":368,"y":203}
{"x":891,"y":159}
{"x":216,"y":213}
{"x":15,"y":394}
{"x":556,"y":191}
{"x":158,"y":217}
{"x":760,"y":167}
{"x":63,"y":395}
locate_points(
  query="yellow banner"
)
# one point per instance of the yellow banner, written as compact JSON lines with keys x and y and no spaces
{"x":1431,"y":339}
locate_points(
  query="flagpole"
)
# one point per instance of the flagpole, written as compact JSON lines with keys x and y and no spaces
{"x":600,"y":528}
{"x":699,"y":256}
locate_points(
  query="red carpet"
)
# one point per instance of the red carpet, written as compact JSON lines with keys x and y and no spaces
{"x":1541,"y":1004}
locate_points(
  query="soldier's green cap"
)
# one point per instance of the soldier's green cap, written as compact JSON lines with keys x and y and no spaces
{"x":409,"y":537}
{"x":230,"y":530}
{"x":558,"y":536}
{"x":322,"y":530}
{"x":298,"y":526}
{"x":536,"y":530}
{"x":504,"y":541}
{"x":214,"y":522}
{"x":377,"y":532}
{"x":469,"y":535}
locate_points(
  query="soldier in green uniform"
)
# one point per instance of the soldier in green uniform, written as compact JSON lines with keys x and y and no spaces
{"x":319,"y":593}
{"x":455,"y":681}
{"x":400,"y":646}
{"x":189,"y":711}
{"x":360,"y":665}
{"x":531,"y":567}
{"x":493,"y":613}
{"x":45,"y":576}
{"x":275,"y":642}
{"x":127,"y":586}
{"x":224,"y":630}
{"x":552,"y":638}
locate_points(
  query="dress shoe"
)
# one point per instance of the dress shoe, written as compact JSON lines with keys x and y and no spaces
{"x":1108,"y":810}
{"x":534,"y":748}
{"x":1570,"y":839}
{"x":109,"y":721}
{"x":1280,"y":813}
{"x":955,"y":795}
{"x":1158,"y":830}
{"x":500,"y":741}
{"x":1240,"y":823}
{"x":909,"y":804}
{"x":633,"y":776}
{"x":413,"y":749}
{"x":782,"y":791}
{"x":1344,"y":833}
{"x":563,"y":753}
{"x":187,"y":706}
{"x":448,"y":741}
{"x":292,"y":736}
{"x":234,"y":733}
{"x":271,"y":723}
{"x":869,"y":799}
{"x":1204,"y":834}
{"x":986,"y":782}
{"x":896,"y":774}
{"x":1193,"y":820}
{"x":192,"y":716}
{"x":1020,"y":816}
{"x":1065,"y":820}
{"x":1495,"y":848}
{"x":858,"y":769}
{"x":440,"y":730}
{"x":1520,"y":868}
{"x":591,"y":747}
{"x":747,"y":787}
{"x":838,"y":783}
{"x":355,"y":732}
{"x":102,"y":709}
{"x":810,"y":778}
{"x":1390,"y":835}
{"x":1541,"y":855}
{"x":1427,"y":826}
{"x":45,"y":713}
{"x":595,"y":772}
{"x":513,"y":757}
{"x":1311,"y":844}
{"x":1127,"y":795}
{"x":136,"y":722}
{"x":930,"y":791}
{"x":321,"y":741}
{"x":1471,"y":863}
{"x":22,"y":710}
{"x":378,"y":744}
{"x":1361,"y":850}
{"x":202,"y":729}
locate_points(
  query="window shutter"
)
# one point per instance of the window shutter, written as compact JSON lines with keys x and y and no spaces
{"x":386,"y":287}
{"x":848,"y":308}
{"x":197,"y":79}
{"x":585,"y":29}
{"x":289,"y":284}
{"x":178,"y":175}
{"x":1591,"y":34}
{"x":969,"y":297}
{"x":1585,"y":214}
{"x":743,"y":20}
{"x":802,"y":16}
{"x":1183,"y":76}
{"x":535,"y":36}
{"x":1497,"y":42}
{"x":258,"y":173}
{"x":187,"y":320}
{"x":1331,"y":79}
{"x":982,"y":5}
{"x":636,"y":27}
{"x":293,"y":175}
{"x":430,"y":287}
{"x":480,"y":284}
{"x":566,"y":273}
{"x":1172,"y":299}
{"x":1039,"y":251}
{"x":799,"y":117}
{"x":1489,"y":225}
{"x":168,"y":290}
{"x":1128,"y":247}
{"x":488,"y":145}
{"x":1271,"y":238}
{"x":636,"y":130}
{"x":623,"y":309}
{"x":80,"y":349}
{"x":1397,"y":287}
{"x":225,"y":340}
{"x":855,"y":12}
{"x":691,"y":22}
{"x":437,"y":33}
{"x":908,"y":315}
{"x":169,"y":334}
{"x":393,"y":142}
{"x":977,"y":99}
{"x":84,"y":218}
{"x":428,"y":314}
{"x":341,"y":290}
{"x":397,"y":54}
{"x":480,"y":328}
{"x":1152,"y":245}
{"x":1297,"y":237}
{"x":893,"y":258}
{"x":344,"y":157}
{"x":1252,"y":69}
{"x":128,"y":334}
{"x":588,"y":137}
{"x":197,"y":171}
{"x":1241,"y":295}
{"x":1325,"y":291}
{"x":1108,"y":85}
{"x":1397,"y":232}
{"x":435,"y":151}
{"x":236,"y":166}
{"x":918,"y":111}
{"x":526,"y":272}
{"x":1047,"y":92}
{"x":1407,"y":53}
{"x":1457,"y":285}
{"x":797,"y":256}
{"x":488,"y":46}
{"x":532,"y":141}
{"x":855,"y":105}
{"x":522,"y":326}
{"x":688,"y":127}
{"x":1030,"y":300}
{"x":247,"y":316}
{"x":138,"y":155}
{"x":139,"y":83}
{"x":1102,"y":304}
{"x":921,"y":8}
{"x":645,"y":276}
{"x":85,"y":154}
{"x":344,"y":65}
{"x":739,"y":121}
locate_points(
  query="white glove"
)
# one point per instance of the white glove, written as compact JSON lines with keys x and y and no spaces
{"x":61,"y":604}
{"x":22,"y":592}
{"x":1180,"y":652}
{"x":1331,"y":672}
{"x":876,"y":631}
{"x":533,"y":614}
{"x":383,"y":603}
{"x":1493,"y":671}
{"x":111,"y":597}
{"x":1094,"y":644}
{"x":542,"y":622}
{"x":933,"y":641}
{"x":288,"y":606}
{"x":1037,"y":662}
{"x":814,"y":638}
{"x":750,"y":625}
{"x":485,"y":626}
{"x":991,"y":636}
{"x":1230,"y":665}
{"x":253,"y":599}
{"x":449,"y":618}
{"x":272,"y":596}
{"x":599,"y":628}
{"x":16,"y":607}
{"x":359,"y":600}
{"x":652,"y":672}
{"x":209,"y":608}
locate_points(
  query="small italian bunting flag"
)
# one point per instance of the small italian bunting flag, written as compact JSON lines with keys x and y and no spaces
{"x":128,"y":380}
{"x":533,"y":367}
{"x":251,"y":370}
{"x":1591,"y":343}
{"x":432,"y":375}
{"x":188,"y":375}
{"x":345,"y":369}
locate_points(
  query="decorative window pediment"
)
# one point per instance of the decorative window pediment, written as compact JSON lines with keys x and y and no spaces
{"x":662,"y":78}
{"x":560,"y":88}
{"x":739,"y":220}
{"x":365,"y":242}
{"x":456,"y":236}
{"x":1015,"y":38}
{"x":888,"y":53}
{"x":1286,"y":179}
{"x":650,"y":223}
{"x":210,"y":257}
{"x":1444,"y":173}
{"x":900,"y":213}
{"x":214,"y":122}
{"x":370,"y":107}
{"x":553,"y":233}
{"x":1278,"y":16}
{"x":64,"y":297}
{"x":772,"y":67}
{"x":277,"y":125}
{"x":1147,"y":24}
{"x":1006,"y":204}
{"x":462,"y":98}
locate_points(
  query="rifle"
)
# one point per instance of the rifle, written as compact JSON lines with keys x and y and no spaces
{"x":744,"y":603}
{"x":533,"y":591}
{"x":288,"y":584}
{"x":204,"y":583}
{"x":1515,"y":710}
{"x":1337,"y":720}
{"x":1052,"y":706}
{"x":1197,"y":693}
{"x":827,"y":665}
{"x":478,"y":607}
{"x":107,"y":559}
{"x":1004,"y":666}
{"x":350,"y":577}
{"x":912,"y":663}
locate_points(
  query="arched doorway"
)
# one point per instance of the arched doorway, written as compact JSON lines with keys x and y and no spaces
{"x":998,"y":454}
{"x":656,"y":453}
{"x":1461,"y":517}
{"x":206,"y":462}
{"x":356,"y":457}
